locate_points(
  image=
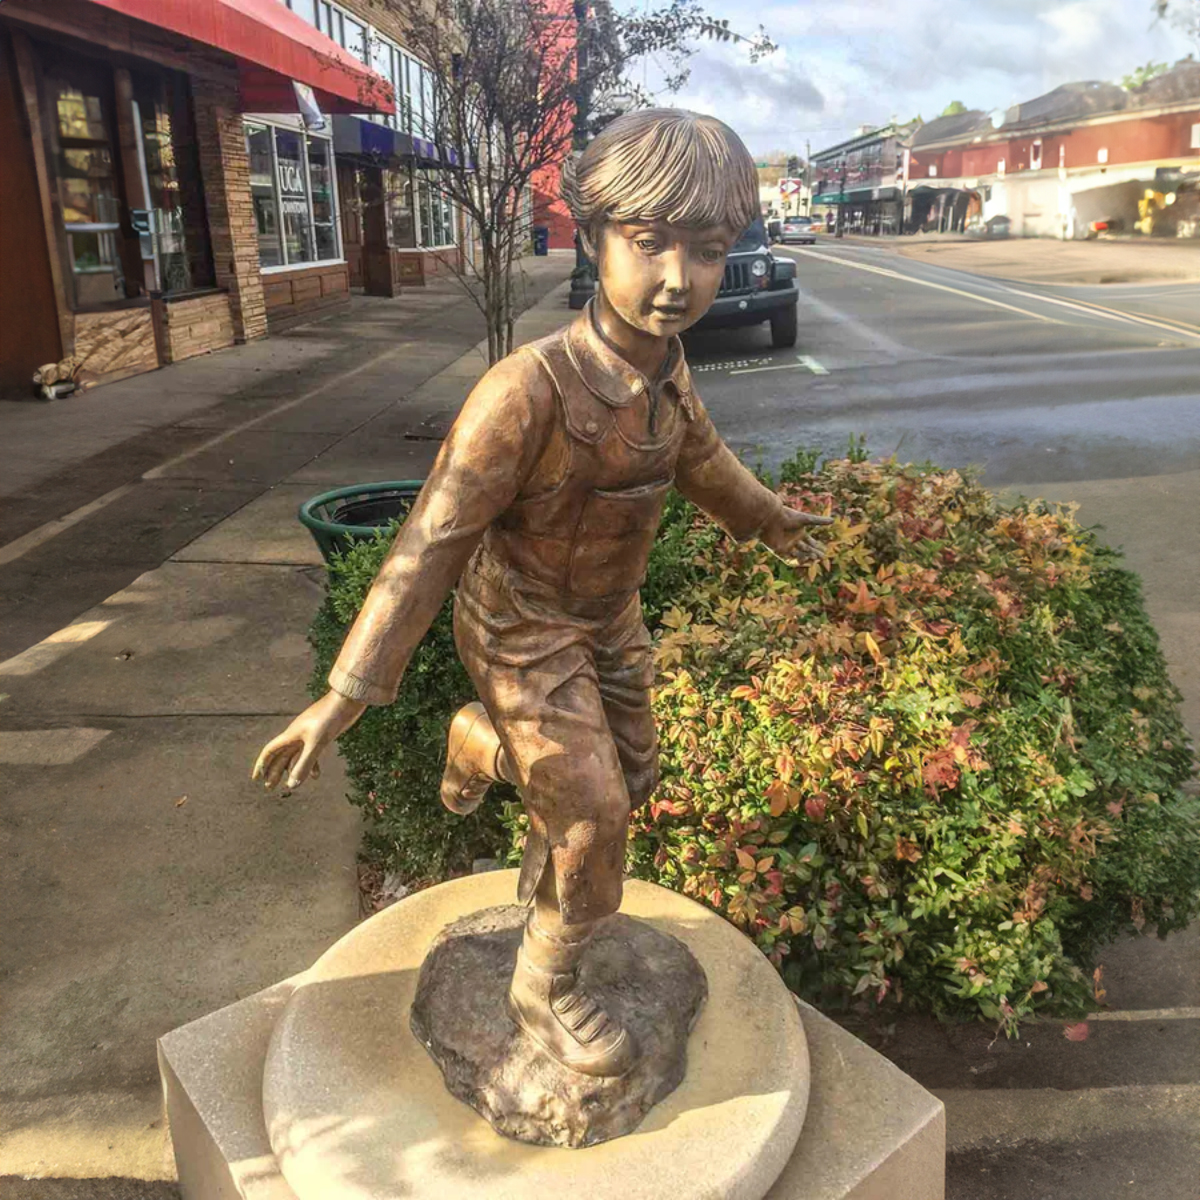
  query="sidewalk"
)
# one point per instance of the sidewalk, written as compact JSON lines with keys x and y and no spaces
{"x":145,"y":880}
{"x":1047,"y":260}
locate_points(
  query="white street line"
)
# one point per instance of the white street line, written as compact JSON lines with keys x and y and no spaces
{"x":812,"y":364}
{"x":777,"y":367}
{"x":1099,"y":310}
{"x":941,"y":287}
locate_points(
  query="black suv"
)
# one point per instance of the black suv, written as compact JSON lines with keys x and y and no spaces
{"x":757,"y":287}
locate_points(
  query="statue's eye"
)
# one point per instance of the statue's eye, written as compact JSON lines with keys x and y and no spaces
{"x":649,"y":245}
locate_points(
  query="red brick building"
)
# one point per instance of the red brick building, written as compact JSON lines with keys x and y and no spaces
{"x":146,"y":219}
{"x":1051,"y":166}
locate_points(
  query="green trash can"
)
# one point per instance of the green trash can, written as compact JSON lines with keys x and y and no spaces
{"x":339,"y":518}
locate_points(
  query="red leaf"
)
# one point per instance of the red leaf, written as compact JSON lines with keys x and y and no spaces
{"x":1076,"y":1033}
{"x":815,"y":807}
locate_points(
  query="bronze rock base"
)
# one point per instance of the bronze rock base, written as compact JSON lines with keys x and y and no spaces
{"x":647,"y":980}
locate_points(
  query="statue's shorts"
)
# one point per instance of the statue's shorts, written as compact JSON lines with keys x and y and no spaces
{"x":566,"y":682}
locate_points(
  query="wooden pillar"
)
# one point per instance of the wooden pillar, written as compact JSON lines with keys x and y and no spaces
{"x":378,"y":277}
{"x":129,"y":167}
{"x":30,"y":80}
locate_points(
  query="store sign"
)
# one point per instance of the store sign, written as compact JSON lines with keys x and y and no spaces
{"x":291,"y":179}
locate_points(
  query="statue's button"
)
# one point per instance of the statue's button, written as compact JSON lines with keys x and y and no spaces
{"x":591,"y":427}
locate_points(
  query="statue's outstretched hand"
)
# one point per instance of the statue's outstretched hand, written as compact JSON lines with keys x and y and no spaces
{"x":295,"y":751}
{"x":787,"y":533}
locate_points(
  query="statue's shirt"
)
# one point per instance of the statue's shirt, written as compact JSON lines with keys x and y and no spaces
{"x":559,"y":464}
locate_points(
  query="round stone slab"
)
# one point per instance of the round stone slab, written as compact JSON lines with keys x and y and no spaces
{"x":642,"y":977}
{"x":356,"y":1109}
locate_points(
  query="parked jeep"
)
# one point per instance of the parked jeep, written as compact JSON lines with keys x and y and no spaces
{"x":757,"y":287}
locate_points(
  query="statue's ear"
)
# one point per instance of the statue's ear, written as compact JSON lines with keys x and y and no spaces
{"x":588,"y":242}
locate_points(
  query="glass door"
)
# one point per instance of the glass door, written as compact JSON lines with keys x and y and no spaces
{"x":87,"y":184}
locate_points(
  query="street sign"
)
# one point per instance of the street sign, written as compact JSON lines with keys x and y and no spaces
{"x":790,"y":187}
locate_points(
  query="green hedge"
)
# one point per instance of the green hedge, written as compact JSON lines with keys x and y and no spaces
{"x":938,"y":768}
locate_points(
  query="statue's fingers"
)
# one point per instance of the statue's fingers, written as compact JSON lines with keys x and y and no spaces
{"x":303,"y":765}
{"x":280,"y":761}
{"x":813,"y":518}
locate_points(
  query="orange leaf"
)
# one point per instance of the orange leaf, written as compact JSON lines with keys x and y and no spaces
{"x":746,"y":860}
{"x":1039,"y":985}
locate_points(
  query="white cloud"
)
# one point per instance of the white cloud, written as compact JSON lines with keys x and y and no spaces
{"x":864,"y":61}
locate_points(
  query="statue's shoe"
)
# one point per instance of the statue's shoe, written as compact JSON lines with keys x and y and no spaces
{"x":567,"y":1023}
{"x":472,"y":759}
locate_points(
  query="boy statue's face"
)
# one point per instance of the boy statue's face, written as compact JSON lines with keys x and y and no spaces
{"x":659,"y":278}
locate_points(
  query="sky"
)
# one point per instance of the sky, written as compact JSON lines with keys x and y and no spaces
{"x":844,"y":63}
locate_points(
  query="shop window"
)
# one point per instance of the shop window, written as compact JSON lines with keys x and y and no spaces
{"x":402,"y":220}
{"x":176,"y":256}
{"x":88,"y":197}
{"x":1035,"y":155}
{"x":292,"y":186}
{"x":262,"y":191}
{"x":436,"y":216}
{"x":320,"y":177}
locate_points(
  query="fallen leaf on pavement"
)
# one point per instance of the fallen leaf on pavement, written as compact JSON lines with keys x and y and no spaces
{"x":1076,"y":1033}
{"x":181,"y":801}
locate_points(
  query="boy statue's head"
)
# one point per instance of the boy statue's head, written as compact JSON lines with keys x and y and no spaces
{"x":660,"y":197}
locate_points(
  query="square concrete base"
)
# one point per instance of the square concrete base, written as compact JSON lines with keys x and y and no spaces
{"x":871,"y":1132}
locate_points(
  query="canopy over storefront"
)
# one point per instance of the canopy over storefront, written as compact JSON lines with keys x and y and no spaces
{"x":354,"y":137}
{"x":274,"y":47}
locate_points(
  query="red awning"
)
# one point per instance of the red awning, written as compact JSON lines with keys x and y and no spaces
{"x":273,"y":47}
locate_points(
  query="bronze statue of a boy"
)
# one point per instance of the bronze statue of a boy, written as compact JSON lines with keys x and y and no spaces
{"x":542,"y":506}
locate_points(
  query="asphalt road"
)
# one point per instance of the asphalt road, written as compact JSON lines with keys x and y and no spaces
{"x":1029,"y":382}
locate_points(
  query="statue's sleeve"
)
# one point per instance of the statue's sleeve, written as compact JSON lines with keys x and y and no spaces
{"x":711,"y":477}
{"x":487,"y":456}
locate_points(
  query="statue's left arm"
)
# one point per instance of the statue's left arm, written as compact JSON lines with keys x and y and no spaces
{"x":710,"y":475}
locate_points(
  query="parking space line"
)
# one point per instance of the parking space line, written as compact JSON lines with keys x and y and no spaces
{"x":812,"y":364}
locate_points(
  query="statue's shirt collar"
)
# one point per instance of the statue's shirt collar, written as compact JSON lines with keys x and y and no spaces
{"x":617,"y":382}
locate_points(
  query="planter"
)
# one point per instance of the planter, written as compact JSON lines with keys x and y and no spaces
{"x":349,"y":514}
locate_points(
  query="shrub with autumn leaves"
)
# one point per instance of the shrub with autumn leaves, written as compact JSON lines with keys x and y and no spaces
{"x":936,"y":768}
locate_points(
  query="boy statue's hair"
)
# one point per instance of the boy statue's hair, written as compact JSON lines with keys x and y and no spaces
{"x":663,"y":164}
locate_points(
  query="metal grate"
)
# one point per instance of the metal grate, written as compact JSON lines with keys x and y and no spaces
{"x":737,"y":278}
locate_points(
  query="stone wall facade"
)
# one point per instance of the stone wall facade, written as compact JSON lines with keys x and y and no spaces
{"x":225,"y":169}
{"x":197,"y":325}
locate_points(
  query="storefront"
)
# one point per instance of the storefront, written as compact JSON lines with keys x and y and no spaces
{"x":398,"y":227}
{"x":133,"y":213}
{"x":294,"y":192}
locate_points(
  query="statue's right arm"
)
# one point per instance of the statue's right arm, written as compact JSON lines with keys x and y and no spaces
{"x":487,"y":456}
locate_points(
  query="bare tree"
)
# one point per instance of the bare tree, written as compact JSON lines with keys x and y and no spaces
{"x":518,"y":84}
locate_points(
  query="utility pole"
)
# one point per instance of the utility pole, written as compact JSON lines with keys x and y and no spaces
{"x":807,"y":177}
{"x":583,"y":277}
{"x":841,"y":199}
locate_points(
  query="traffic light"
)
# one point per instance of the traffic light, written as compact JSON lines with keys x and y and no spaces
{"x":793,"y":166}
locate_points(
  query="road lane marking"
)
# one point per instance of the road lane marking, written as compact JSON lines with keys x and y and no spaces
{"x":1169,"y":324}
{"x":802,"y":360}
{"x":777,"y":367}
{"x":941,"y":287}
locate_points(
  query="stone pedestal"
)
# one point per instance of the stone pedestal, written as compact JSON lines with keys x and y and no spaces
{"x":355,"y":1107}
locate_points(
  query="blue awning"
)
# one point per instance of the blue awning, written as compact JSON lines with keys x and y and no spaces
{"x":381,"y":145}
